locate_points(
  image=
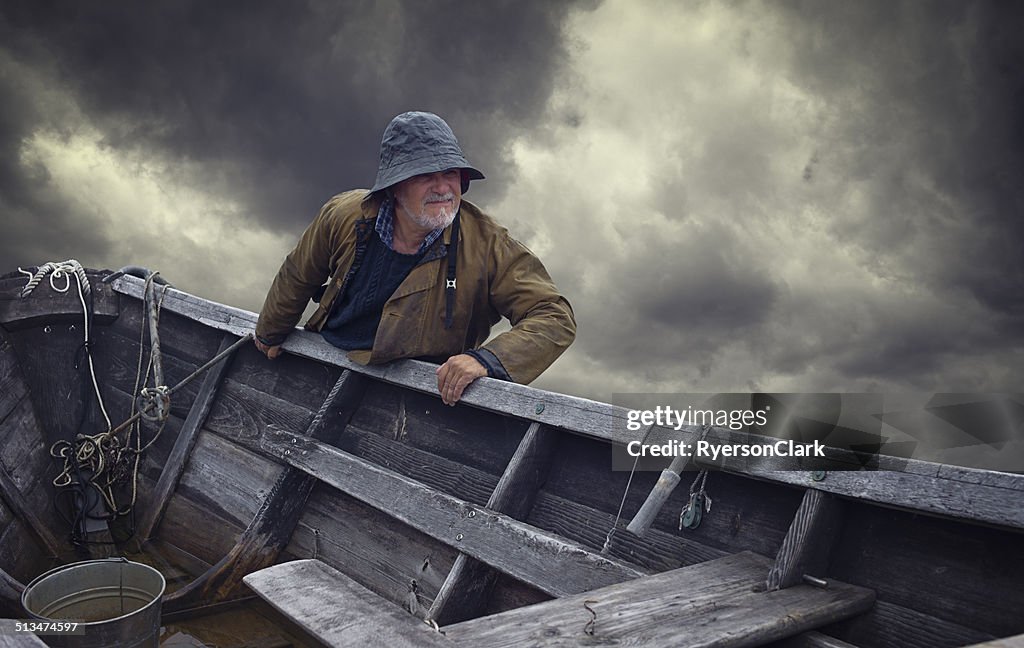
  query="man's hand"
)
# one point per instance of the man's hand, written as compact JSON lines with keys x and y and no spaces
{"x":269,"y":351}
{"x":455,"y":375}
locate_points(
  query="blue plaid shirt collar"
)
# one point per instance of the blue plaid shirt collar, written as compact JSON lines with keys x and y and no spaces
{"x":386,"y":227}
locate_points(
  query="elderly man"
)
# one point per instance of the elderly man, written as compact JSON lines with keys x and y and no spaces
{"x":415,"y":271}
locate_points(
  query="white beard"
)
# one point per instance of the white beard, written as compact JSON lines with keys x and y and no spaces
{"x":426,"y":220}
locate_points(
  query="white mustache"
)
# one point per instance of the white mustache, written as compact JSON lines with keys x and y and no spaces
{"x":436,"y":197}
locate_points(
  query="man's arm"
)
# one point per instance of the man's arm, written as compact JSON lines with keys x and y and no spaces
{"x":305,"y":268}
{"x":543,"y":325}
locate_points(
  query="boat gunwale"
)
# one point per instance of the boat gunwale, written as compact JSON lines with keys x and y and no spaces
{"x":972,"y":494}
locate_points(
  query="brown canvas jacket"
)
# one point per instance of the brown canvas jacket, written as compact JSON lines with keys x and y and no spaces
{"x":496,"y":277}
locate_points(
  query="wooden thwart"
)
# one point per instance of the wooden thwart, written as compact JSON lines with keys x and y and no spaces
{"x":469,"y":583}
{"x":711,"y":603}
{"x":175,"y":464}
{"x":808,"y":544}
{"x":337,"y":610}
{"x":268,"y":533}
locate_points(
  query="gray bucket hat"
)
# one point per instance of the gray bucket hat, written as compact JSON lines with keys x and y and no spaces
{"x":416,"y":143}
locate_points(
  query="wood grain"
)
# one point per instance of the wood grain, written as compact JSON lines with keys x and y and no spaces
{"x":337,"y":610}
{"x":710,"y":604}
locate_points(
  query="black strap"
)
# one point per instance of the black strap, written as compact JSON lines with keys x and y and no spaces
{"x":449,"y":284}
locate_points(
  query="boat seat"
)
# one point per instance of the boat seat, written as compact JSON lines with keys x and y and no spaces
{"x":720,"y":602}
{"x":336,"y":609}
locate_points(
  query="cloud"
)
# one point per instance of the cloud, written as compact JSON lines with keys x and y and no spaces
{"x":781,"y":197}
{"x":792,"y":196}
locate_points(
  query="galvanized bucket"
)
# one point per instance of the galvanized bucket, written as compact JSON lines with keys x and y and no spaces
{"x":116,"y":601}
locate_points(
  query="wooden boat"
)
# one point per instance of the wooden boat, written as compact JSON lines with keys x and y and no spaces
{"x":359,"y":505}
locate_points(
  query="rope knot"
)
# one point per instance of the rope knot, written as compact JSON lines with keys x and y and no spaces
{"x":154,"y":403}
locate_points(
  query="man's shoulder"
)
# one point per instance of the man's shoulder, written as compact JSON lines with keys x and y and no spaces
{"x":481,"y":221}
{"x":351,"y":204}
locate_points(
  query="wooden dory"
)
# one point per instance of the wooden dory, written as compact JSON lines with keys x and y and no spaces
{"x":491,"y":518}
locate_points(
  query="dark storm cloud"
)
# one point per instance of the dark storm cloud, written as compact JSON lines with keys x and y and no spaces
{"x":284,"y":102}
{"x":942,"y":81}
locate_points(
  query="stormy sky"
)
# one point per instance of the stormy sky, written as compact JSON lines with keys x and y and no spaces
{"x":735,"y":196}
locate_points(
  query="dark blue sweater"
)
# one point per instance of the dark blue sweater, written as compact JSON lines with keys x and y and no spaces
{"x":356,"y":315}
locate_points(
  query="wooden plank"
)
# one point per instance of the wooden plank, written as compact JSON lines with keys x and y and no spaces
{"x":963,"y":493}
{"x":12,"y":386}
{"x":175,"y":464}
{"x":710,"y":604}
{"x":976,"y":573}
{"x":893,"y":626}
{"x":10,"y":593}
{"x":812,"y":639}
{"x":1008,"y":642}
{"x":274,"y":523}
{"x":14,"y":499}
{"x":227,"y":479}
{"x":549,"y":563}
{"x":337,"y":610}
{"x":465,"y":482}
{"x":46,"y":306}
{"x":657,"y":550}
{"x":808,"y":545}
{"x":465,"y":435}
{"x":469,"y":584}
{"x":379,"y":552}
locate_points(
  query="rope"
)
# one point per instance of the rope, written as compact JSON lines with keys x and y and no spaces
{"x":615,"y":525}
{"x":102,"y":461}
{"x":62,"y":270}
{"x":65,"y":270}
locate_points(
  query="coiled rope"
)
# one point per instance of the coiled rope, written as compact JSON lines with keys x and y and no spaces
{"x":101,"y":461}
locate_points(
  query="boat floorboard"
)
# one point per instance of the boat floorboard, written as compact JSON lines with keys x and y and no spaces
{"x":711,"y":603}
{"x":337,"y":610}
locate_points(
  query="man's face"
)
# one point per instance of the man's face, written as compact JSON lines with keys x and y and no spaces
{"x":430,"y":200}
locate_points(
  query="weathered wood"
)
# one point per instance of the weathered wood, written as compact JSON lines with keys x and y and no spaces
{"x":465,"y":435}
{"x":45,"y":306}
{"x":547,"y":562}
{"x":9,"y":638}
{"x":14,"y":499}
{"x":704,"y":605}
{"x":469,"y":584}
{"x":657,"y":550}
{"x":337,"y":610}
{"x":379,"y":552}
{"x":12,"y":386}
{"x":10,"y":593}
{"x":269,"y":531}
{"x":934,"y":566}
{"x":808,"y":545}
{"x":175,"y":464}
{"x":27,"y":460}
{"x":1008,"y":642}
{"x":812,"y":639}
{"x":465,"y":482}
{"x":964,"y":493}
{"x":893,"y":626}
{"x":197,"y":530}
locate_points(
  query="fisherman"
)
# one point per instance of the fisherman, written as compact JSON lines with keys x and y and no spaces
{"x":415,"y":271}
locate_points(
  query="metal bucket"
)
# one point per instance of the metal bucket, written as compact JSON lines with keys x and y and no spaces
{"x":116,"y":601}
